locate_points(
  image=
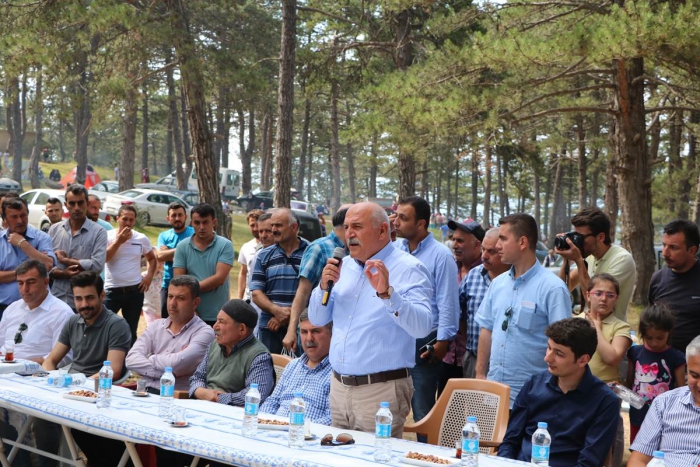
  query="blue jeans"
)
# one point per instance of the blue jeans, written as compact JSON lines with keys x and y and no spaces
{"x":426,"y":375}
{"x":130,"y":301}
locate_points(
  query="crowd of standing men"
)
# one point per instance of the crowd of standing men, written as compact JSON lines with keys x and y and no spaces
{"x":393,"y":320}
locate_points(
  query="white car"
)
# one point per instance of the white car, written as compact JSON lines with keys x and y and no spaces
{"x":36,"y":202}
{"x":104,"y":189}
{"x":151,"y":205}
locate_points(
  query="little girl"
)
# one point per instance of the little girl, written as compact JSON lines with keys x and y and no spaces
{"x":654,"y":367}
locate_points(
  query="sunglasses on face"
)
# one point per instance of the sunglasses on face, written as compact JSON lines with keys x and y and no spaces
{"x":509,"y":313}
{"x":340,"y":440}
{"x":18,"y":336}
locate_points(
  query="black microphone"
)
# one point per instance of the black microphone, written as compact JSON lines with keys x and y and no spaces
{"x":339,"y":254}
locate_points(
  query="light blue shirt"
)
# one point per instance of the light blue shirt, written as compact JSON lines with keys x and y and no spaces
{"x":171,"y":239}
{"x":537,"y":299}
{"x":370,"y":334}
{"x":11,"y":256}
{"x":444,"y":302}
{"x":104,"y":224}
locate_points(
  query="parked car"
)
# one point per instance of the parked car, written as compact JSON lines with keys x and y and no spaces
{"x":167,"y":183}
{"x":309,"y":225}
{"x":265,"y":200}
{"x":7,"y":185}
{"x":36,"y":204}
{"x":151,"y":205}
{"x":104,"y":188}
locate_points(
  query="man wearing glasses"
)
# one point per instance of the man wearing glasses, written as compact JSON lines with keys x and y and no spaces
{"x":517,"y":308}
{"x":600,"y":255}
{"x":33,"y":322}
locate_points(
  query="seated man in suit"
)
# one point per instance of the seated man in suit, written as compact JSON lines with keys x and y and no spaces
{"x":581,"y":411}
{"x":234,"y":360}
{"x":311,"y":373}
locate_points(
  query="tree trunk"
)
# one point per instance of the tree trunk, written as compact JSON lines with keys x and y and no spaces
{"x":690,"y":170}
{"x":559,"y":222}
{"x":285,"y":105}
{"x":448,"y":175}
{"x":487,"y":186}
{"x":634,"y":174}
{"x":304,"y":145}
{"x":61,"y":146}
{"x":404,"y":59}
{"x":475,"y":184}
{"x":187,"y":151}
{"x":174,"y":125}
{"x":407,"y":175}
{"x":611,"y":200}
{"x":456,"y":194}
{"x":266,"y":153}
{"x":219,"y":137}
{"x":14,"y":126}
{"x":693,"y":153}
{"x":247,"y":153}
{"x":335,"y":150}
{"x":500,"y":180}
{"x":424,"y":179}
{"x":39,"y":128}
{"x":144,"y":130}
{"x":193,"y":86}
{"x":675,"y":163}
{"x":373,"y":167}
{"x":582,"y":164}
{"x":128,"y":156}
{"x":536,"y":193}
{"x":309,"y":194}
{"x":350,"y":154}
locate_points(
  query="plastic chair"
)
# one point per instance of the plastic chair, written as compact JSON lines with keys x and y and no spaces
{"x":487,"y":400}
{"x":280,"y":362}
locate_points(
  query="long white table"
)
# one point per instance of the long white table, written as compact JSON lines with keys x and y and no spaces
{"x":214,"y":430}
{"x":21,"y":366}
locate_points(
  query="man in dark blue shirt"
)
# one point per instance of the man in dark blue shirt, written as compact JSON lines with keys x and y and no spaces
{"x":580,"y":410}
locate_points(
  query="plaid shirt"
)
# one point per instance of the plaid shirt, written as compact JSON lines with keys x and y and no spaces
{"x":261,"y":371}
{"x":316,"y":255}
{"x":315,"y":383}
{"x":472,"y":291}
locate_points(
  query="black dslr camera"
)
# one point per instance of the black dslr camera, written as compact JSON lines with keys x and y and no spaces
{"x":575,"y":237}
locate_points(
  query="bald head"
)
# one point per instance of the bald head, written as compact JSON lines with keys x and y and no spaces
{"x":366,"y":230}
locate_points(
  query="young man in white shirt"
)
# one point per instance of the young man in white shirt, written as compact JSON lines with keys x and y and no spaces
{"x":124,"y":285}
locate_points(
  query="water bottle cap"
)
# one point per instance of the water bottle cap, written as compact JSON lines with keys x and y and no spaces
{"x":253,"y":385}
{"x":50,"y":380}
{"x":471,"y":419}
{"x":659,"y":454}
{"x":298,"y":394}
{"x":632,"y":333}
{"x":168,"y":369}
{"x":384,"y":405}
{"x":542,"y":425}
{"x":107,"y":363}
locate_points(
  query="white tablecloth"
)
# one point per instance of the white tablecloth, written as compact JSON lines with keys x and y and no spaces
{"x":23,"y":366}
{"x":214,"y":430}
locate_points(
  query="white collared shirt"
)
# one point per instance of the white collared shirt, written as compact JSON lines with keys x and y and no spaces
{"x":44,"y":324}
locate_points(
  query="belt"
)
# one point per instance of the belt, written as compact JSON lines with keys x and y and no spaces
{"x":130,"y":289}
{"x":374,"y":378}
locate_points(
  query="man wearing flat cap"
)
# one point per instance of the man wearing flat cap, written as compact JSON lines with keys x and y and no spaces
{"x":234,"y":360}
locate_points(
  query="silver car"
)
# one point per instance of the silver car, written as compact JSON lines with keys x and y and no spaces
{"x":151,"y":205}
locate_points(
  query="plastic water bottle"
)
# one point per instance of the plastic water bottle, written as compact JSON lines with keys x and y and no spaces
{"x":297,"y":412}
{"x":64,"y":381}
{"x":382,"y":433}
{"x":167,"y":393}
{"x":104,"y":388}
{"x":628,"y":395}
{"x":658,"y":460}
{"x":250,"y":416}
{"x":470,"y":443}
{"x":633,"y":337}
{"x":540,"y":445}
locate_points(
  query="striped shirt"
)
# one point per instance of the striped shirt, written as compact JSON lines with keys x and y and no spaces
{"x":671,"y":426}
{"x":315,"y":383}
{"x":316,"y":255}
{"x":277,"y":276}
{"x":472,"y":291}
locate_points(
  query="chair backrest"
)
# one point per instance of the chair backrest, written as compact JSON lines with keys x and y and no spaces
{"x":487,"y":400}
{"x":279,"y":361}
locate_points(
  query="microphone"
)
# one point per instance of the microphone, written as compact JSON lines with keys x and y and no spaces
{"x":339,"y":254}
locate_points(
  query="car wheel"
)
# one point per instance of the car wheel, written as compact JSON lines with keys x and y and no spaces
{"x":45,"y":226}
{"x":143,"y":218}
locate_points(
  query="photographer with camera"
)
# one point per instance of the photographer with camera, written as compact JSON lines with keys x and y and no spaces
{"x":590,"y":239}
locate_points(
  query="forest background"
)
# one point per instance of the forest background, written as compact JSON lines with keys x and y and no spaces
{"x":483,"y":108}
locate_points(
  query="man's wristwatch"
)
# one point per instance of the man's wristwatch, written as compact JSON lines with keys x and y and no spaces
{"x":386,"y":295}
